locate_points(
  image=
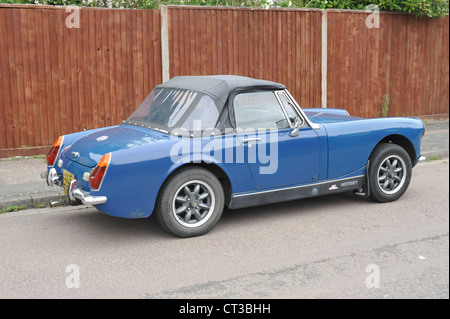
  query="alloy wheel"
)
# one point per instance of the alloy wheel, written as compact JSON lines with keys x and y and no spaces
{"x":193,"y":203}
{"x":391,"y":174}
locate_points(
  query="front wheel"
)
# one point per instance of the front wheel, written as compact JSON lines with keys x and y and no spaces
{"x":389,"y":173}
{"x":190,"y":202}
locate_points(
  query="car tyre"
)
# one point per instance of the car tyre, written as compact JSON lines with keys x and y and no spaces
{"x":75,"y":202}
{"x":389,"y":172}
{"x":190,"y":202}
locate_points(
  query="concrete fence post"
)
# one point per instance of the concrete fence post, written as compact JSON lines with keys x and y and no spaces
{"x":165,"y":43}
{"x":324,"y":57}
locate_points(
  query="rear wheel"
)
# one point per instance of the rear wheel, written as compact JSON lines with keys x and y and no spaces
{"x":190,"y":202}
{"x":389,"y":173}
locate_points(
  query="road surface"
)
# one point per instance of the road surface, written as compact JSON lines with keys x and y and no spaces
{"x":337,"y":246}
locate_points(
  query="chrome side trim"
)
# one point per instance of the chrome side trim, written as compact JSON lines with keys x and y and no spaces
{"x":297,"y":187}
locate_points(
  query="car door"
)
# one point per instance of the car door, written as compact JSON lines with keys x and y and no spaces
{"x":276,"y":157}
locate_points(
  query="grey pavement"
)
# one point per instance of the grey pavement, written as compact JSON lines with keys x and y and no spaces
{"x":21,"y":185}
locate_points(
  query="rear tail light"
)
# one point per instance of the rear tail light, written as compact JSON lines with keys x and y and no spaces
{"x":98,"y":172}
{"x":53,"y":154}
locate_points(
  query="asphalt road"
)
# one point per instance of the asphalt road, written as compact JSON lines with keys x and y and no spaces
{"x":336,"y":246}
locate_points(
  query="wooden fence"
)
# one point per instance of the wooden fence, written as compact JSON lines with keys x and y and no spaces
{"x":56,"y":80}
{"x":278,"y":45}
{"x":406,"y":58}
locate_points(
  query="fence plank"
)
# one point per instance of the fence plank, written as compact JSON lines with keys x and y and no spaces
{"x":6,"y":140}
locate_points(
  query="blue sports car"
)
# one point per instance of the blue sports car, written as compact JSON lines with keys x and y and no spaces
{"x":199,"y":143}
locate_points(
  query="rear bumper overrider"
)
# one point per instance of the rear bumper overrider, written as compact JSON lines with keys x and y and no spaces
{"x":86,"y":197}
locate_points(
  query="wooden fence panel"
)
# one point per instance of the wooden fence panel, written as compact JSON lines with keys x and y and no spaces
{"x":278,"y":45}
{"x":406,"y":58}
{"x":57,"y":80}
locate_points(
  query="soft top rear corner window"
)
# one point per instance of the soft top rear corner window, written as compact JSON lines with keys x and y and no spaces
{"x":169,"y":109}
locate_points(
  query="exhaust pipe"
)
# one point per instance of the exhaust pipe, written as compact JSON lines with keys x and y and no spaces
{"x":56,"y":203}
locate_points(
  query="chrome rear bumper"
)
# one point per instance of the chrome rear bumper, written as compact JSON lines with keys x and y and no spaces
{"x":73,"y":191}
{"x":86,"y":197}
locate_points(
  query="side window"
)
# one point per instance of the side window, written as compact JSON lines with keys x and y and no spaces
{"x":258,"y":110}
{"x":288,"y":107}
{"x":164,"y":107}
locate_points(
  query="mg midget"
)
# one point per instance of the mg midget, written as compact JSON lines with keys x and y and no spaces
{"x":198,"y":144}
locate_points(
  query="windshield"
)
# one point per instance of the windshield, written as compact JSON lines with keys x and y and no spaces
{"x":167,"y":109}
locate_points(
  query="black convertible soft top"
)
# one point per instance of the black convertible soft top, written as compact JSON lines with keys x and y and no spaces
{"x":220,"y":86}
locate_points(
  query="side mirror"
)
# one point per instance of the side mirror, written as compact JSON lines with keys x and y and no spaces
{"x":296,"y":129}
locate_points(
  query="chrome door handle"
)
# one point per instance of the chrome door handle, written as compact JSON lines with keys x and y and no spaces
{"x":253,"y":139}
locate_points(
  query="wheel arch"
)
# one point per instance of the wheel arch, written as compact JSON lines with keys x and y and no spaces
{"x":401,"y":141}
{"x":397,"y":139}
{"x":214,"y":169}
{"x":377,"y":157}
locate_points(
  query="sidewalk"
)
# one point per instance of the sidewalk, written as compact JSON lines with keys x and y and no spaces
{"x":21,"y":185}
